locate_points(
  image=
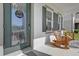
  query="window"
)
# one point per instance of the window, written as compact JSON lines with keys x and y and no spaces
{"x":51,"y":20}
{"x":43,"y":19}
{"x":48,"y":20}
{"x":55,"y":21}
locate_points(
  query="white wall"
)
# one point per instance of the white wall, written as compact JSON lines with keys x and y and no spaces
{"x":1,"y":23}
{"x":67,"y":21}
{"x":32,"y":24}
{"x":38,"y":19}
{"x":1,"y":29}
{"x":67,"y":16}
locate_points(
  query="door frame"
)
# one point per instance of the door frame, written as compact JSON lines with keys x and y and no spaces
{"x":4,"y":25}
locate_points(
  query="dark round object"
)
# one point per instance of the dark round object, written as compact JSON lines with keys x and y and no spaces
{"x":19,"y":13}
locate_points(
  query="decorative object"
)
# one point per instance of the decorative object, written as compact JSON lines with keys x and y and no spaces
{"x":61,"y":41}
{"x":19,"y":14}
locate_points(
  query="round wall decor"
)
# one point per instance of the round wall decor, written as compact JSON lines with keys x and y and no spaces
{"x":19,"y":13}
